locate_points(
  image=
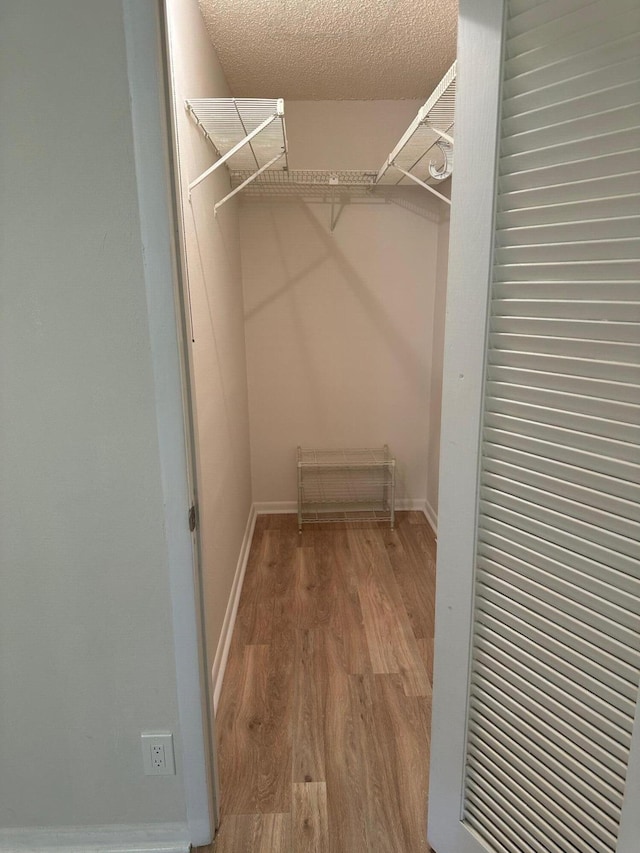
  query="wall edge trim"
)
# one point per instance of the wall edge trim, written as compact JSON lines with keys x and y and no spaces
{"x":224,"y":643}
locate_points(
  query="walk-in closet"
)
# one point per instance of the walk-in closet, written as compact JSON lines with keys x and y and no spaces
{"x":315,"y":147}
{"x":320,"y":448}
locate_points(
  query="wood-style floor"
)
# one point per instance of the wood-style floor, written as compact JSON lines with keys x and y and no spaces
{"x":324,"y":717}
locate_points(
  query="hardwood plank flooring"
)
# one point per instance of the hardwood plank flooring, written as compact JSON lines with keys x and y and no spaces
{"x":324,"y":715}
{"x":309,"y":827}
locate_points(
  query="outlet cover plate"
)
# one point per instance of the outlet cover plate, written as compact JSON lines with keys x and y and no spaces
{"x":157,"y":754}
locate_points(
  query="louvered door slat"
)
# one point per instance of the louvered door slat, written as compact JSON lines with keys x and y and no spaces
{"x":624,"y":226}
{"x":564,"y":90}
{"x":602,"y":207}
{"x":567,"y":483}
{"x":558,"y":528}
{"x":505,"y":522}
{"x":549,"y":121}
{"x":623,"y":392}
{"x":586,"y":328}
{"x":548,"y":703}
{"x":542,"y":756}
{"x":592,"y":186}
{"x":541,"y":604}
{"x":505,"y":834}
{"x":611,"y":370}
{"x":582,"y":163}
{"x":546,"y":23}
{"x":612,"y":450}
{"x":509,"y":773}
{"x":564,"y":300}
{"x":600,"y":56}
{"x":622,"y":587}
{"x":583,"y":422}
{"x":562,"y":57}
{"x":582,"y":816}
{"x":573,"y":731}
{"x":556,"y":638}
{"x":571,"y":148}
{"x":534,"y":399}
{"x":507,"y":665}
{"x":592,"y":592}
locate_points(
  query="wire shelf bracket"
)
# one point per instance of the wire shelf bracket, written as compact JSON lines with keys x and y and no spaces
{"x":425,"y":151}
{"x":248,"y":134}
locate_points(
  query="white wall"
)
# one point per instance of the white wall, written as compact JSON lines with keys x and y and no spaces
{"x":86,"y":646}
{"x":339,"y":326}
{"x":218,"y":352}
{"x":345,"y":134}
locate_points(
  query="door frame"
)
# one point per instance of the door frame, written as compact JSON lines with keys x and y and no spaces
{"x":480,"y":61}
{"x":148,"y":69}
{"x":479,"y":74}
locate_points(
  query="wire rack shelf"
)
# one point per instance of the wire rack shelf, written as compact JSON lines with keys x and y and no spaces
{"x":248,"y":134}
{"x":228,"y":121}
{"x":424,"y":153}
{"x":339,"y":485}
{"x":305,"y":183}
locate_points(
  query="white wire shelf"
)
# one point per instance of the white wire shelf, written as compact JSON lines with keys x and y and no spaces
{"x":248,"y":134}
{"x":310,"y":184}
{"x":345,"y":485}
{"x":334,"y":187}
{"x":424,"y":153}
{"x":341,"y":484}
{"x":323,"y":515}
{"x":227,"y":121}
{"x":358,"y":458}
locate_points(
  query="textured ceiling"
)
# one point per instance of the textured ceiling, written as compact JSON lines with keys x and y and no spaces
{"x":332,"y":49}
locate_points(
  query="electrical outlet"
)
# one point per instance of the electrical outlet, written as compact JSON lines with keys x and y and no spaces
{"x":157,"y":754}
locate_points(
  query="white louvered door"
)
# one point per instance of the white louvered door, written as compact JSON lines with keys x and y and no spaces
{"x":548,"y":750}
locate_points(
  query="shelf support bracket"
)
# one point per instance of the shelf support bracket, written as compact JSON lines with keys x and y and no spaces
{"x":233,"y":151}
{"x":333,"y":182}
{"x":248,"y":181}
{"x":422,"y":184}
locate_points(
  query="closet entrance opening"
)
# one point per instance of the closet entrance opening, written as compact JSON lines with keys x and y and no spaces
{"x":314,"y":153}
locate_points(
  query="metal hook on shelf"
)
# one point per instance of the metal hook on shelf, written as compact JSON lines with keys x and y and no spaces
{"x":443,"y":172}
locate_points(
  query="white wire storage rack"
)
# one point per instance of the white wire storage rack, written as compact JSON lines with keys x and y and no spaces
{"x":333,"y":187}
{"x":248,"y":134}
{"x":425,"y":151}
{"x":305,"y":181}
{"x":346,"y":485}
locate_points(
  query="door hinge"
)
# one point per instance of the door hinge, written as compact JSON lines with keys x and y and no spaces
{"x":193,"y":518}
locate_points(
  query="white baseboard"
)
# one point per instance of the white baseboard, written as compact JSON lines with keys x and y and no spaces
{"x":275,"y":507}
{"x":141,"y":838}
{"x":410,"y":504}
{"x":279,"y":507}
{"x":222,"y":652}
{"x":431,"y":516}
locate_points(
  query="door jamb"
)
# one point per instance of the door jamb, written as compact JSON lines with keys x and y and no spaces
{"x":148,"y":67}
{"x":480,"y":49}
